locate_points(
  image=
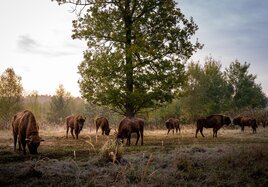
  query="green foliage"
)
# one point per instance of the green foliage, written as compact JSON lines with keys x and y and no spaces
{"x":10,"y":96}
{"x":136,"y":53}
{"x":207,"y":91}
{"x":247,"y":94}
{"x":210,"y":90}
{"x":34,"y":105}
{"x":160,"y":115}
{"x":59,"y":106}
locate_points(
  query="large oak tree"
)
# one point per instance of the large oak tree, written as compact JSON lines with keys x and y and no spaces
{"x":136,"y":52}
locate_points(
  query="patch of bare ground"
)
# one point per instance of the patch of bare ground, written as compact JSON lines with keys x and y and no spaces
{"x":235,"y":158}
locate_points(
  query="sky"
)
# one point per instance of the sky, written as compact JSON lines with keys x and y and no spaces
{"x":36,"y":41}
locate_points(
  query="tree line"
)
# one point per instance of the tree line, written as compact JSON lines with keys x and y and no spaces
{"x":207,"y":90}
{"x":48,"y":109}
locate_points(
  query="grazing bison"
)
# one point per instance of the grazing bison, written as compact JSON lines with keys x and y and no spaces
{"x":213,"y":121}
{"x":76,"y":123}
{"x":173,"y":123}
{"x":102,"y":123}
{"x":25,"y":130}
{"x":243,"y":121}
{"x":128,"y":126}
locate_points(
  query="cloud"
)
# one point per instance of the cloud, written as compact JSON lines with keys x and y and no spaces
{"x":27,"y":44}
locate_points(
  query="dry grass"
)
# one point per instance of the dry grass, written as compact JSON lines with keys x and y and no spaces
{"x":235,"y":158}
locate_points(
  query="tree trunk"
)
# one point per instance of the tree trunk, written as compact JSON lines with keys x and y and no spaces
{"x":129,"y":105}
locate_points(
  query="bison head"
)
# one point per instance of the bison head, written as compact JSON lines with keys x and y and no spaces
{"x":33,"y":143}
{"x":80,"y":122}
{"x":254,"y":123}
{"x":227,"y":120}
{"x":107,"y":131}
{"x":237,"y":121}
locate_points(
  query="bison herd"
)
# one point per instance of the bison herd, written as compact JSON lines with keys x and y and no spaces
{"x":26,"y":130}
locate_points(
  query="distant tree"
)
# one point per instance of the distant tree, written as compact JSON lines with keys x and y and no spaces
{"x":59,"y":106}
{"x":207,"y":91}
{"x":160,"y":115}
{"x":10,"y":96}
{"x":136,"y":52}
{"x":34,"y":105}
{"x":246,"y":93}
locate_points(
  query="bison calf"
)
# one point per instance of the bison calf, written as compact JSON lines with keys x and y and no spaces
{"x":173,"y":123}
{"x":102,"y":123}
{"x":131,"y":125}
{"x":76,"y":123}
{"x":243,"y":121}
{"x":213,"y":121}
{"x":26,"y":131}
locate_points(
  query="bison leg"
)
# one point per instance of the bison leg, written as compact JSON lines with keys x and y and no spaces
{"x":19,"y":142}
{"x":242,"y":128}
{"x":201,"y":131}
{"x":67,"y":130}
{"x":196,"y":132}
{"x":72,"y":132}
{"x":178,"y":129}
{"x":15,"y":140}
{"x":97,"y":128}
{"x":141,"y":137}
{"x":138,"y":137}
{"x":128,"y":140}
{"x":76,"y":133}
{"x":23,"y":143}
{"x":215,"y":132}
{"x":168,"y":131}
{"x":254,"y":130}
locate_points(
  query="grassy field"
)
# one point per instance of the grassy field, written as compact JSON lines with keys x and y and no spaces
{"x":235,"y":158}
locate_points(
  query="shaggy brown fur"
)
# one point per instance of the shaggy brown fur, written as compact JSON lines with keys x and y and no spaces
{"x":76,"y":123}
{"x":173,"y":123}
{"x":102,"y":123}
{"x":213,"y":121}
{"x":26,"y":131}
{"x":243,"y":121}
{"x":131,"y":125}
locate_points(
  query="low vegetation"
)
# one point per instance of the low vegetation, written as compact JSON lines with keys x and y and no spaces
{"x":235,"y":158}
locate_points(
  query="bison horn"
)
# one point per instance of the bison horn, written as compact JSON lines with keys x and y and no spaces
{"x":28,"y":139}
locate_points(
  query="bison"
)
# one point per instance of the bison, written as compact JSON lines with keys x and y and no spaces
{"x":212,"y":121}
{"x":243,"y":121}
{"x":173,"y":123}
{"x":26,"y":131}
{"x":102,"y":123}
{"x":128,"y":126}
{"x":76,"y":123}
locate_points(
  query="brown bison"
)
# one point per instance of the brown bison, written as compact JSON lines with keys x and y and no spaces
{"x":102,"y":123}
{"x":243,"y":121}
{"x":213,"y":121}
{"x":25,"y":130}
{"x":76,"y":123}
{"x":128,"y":126}
{"x":173,"y":123}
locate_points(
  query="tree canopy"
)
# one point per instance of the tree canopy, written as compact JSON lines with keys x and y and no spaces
{"x":10,"y":95}
{"x":211,"y":90}
{"x":246,"y":92}
{"x":136,"y":52}
{"x":59,"y":107}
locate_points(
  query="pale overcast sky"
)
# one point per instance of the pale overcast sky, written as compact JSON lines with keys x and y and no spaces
{"x":36,"y":39}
